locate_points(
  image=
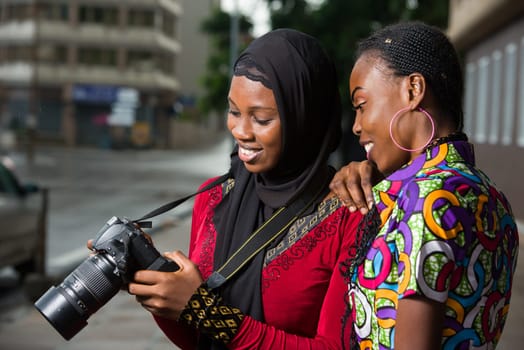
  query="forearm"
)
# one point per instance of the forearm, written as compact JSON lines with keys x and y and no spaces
{"x":207,"y":313}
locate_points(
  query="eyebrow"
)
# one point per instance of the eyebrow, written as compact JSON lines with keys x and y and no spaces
{"x":231,"y":101}
{"x":354,"y":91}
{"x":255,"y":108}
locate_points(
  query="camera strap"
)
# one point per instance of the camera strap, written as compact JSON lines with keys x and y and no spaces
{"x":262,"y":237}
{"x":166,"y":207}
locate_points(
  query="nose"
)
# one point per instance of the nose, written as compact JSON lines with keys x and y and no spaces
{"x":357,"y":128}
{"x":240,"y":127}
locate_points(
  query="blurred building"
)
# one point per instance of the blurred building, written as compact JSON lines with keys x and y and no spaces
{"x":490,"y":36}
{"x":191,"y":63}
{"x":95,"y":72}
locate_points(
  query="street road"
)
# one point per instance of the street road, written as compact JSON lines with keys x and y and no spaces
{"x":89,"y":186}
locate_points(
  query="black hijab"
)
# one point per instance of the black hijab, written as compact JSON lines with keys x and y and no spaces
{"x":304,"y":82}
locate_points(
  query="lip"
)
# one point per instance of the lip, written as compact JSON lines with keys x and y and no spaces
{"x":368,"y":146}
{"x":248,"y":154}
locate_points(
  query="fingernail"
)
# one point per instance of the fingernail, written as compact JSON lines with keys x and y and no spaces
{"x":352,"y":209}
{"x":364,"y":211}
{"x":370,"y":205}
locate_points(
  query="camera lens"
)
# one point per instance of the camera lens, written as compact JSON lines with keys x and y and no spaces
{"x":85,"y":290}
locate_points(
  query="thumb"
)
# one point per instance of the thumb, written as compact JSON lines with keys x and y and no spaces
{"x":179,"y":258}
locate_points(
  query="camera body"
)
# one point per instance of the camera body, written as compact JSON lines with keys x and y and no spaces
{"x":120,"y":249}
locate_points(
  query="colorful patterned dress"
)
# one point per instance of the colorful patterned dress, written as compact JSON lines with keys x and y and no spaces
{"x":447,"y":234}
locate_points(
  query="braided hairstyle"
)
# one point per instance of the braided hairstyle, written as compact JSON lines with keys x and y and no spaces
{"x":415,"y":47}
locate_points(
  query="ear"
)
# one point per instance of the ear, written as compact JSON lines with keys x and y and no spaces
{"x":417,"y":89}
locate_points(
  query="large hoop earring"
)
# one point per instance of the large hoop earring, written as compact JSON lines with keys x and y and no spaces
{"x":400,"y":112}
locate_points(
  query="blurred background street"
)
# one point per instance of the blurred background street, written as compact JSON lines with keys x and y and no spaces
{"x":89,"y":186}
{"x":116,"y":107}
{"x":86,"y":188}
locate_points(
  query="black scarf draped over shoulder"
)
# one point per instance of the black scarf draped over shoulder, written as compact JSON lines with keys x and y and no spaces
{"x":304,"y":82}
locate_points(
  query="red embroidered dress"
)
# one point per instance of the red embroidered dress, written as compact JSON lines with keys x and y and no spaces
{"x":302,"y":288}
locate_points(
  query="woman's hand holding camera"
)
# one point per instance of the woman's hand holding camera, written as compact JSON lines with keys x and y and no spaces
{"x":165,"y":294}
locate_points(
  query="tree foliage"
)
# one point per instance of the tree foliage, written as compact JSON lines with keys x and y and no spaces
{"x":340,"y":24}
{"x":217,"y":75}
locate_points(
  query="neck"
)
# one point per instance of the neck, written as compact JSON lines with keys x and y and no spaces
{"x":454,"y":136}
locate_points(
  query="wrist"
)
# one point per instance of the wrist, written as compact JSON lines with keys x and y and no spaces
{"x":207,"y":313}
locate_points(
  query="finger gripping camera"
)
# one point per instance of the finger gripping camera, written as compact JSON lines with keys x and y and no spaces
{"x":120,"y":249}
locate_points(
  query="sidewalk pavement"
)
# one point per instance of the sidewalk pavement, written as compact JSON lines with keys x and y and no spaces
{"x":120,"y":324}
{"x":124,"y":324}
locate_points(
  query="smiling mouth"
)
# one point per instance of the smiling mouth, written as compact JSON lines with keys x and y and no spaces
{"x":248,"y":154}
{"x":368,"y":146}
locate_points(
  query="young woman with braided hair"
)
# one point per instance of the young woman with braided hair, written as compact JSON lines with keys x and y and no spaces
{"x":436,"y":252}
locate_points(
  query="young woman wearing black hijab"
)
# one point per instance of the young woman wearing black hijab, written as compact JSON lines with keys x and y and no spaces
{"x":284,"y":114}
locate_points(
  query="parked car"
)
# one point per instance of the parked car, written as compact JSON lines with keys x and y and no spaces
{"x":23,"y":210}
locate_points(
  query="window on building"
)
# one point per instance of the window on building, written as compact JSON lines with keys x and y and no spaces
{"x":17,"y":53}
{"x":50,"y":53}
{"x":98,"y":15}
{"x":16,"y":12}
{"x":482,"y":100}
{"x":510,"y":84}
{"x":496,"y":96}
{"x":520,"y":118}
{"x":97,"y":57}
{"x":469,"y":98}
{"x":168,"y":24}
{"x":140,"y":60}
{"x":53,"y":11}
{"x":24,"y":53}
{"x":144,"y":18}
{"x":167,"y":64}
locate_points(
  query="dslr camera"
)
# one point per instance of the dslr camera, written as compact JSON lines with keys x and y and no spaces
{"x":120,"y":249}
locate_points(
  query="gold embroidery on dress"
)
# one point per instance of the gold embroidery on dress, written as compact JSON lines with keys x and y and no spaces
{"x":302,"y":226}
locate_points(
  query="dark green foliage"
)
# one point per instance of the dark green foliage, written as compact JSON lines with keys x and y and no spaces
{"x":216,"y":78}
{"x":340,"y":24}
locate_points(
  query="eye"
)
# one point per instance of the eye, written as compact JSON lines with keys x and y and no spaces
{"x":233,"y":112}
{"x":262,"y":121}
{"x":358,"y":106}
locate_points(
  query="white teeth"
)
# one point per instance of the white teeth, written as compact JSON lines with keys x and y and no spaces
{"x":368,"y":147}
{"x":247,"y":152}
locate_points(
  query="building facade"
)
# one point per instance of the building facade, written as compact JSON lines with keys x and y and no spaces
{"x":490,"y":36}
{"x":93,"y":72}
{"x":192,"y":60}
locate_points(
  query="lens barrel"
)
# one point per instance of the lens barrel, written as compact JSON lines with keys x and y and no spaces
{"x":85,"y":290}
